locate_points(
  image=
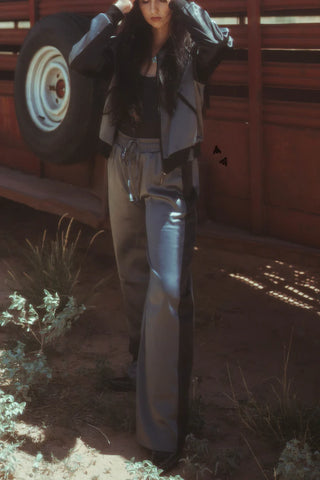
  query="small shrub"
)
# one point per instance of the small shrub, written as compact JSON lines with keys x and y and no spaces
{"x":54,"y":265}
{"x":10,"y":409}
{"x":51,"y":265}
{"x":52,"y":324}
{"x":200,"y":459}
{"x":7,"y":459}
{"x":21,"y":371}
{"x":145,"y":470}
{"x":297,"y":462}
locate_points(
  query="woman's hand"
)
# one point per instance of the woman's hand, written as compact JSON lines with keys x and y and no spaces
{"x":124,"y":5}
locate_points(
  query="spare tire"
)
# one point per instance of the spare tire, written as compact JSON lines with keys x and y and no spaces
{"x":58,"y":110}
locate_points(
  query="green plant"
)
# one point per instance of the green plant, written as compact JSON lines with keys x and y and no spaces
{"x":54,"y":265}
{"x":46,"y":323}
{"x":21,"y":371}
{"x":7,"y":459}
{"x":66,"y":468}
{"x":10,"y":409}
{"x":297,"y":462}
{"x":145,"y":470}
{"x":226,"y":462}
{"x":197,"y":457}
{"x":200,"y":459}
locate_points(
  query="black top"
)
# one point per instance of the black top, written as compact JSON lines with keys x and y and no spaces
{"x":149,"y":125}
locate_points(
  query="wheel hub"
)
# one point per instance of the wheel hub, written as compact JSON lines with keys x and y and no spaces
{"x":48,"y":88}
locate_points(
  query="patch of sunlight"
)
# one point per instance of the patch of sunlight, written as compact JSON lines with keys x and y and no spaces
{"x":273,"y":276}
{"x":290,"y":300}
{"x":307,"y":285}
{"x":247,"y":280}
{"x":35,"y":433}
{"x":297,"y":292}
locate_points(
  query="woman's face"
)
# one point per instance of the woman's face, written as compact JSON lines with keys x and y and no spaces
{"x":156,"y":12}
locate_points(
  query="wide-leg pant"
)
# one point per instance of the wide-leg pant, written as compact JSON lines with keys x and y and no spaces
{"x":153,"y":227}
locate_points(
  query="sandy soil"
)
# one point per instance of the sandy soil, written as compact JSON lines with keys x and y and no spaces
{"x":247,"y":308}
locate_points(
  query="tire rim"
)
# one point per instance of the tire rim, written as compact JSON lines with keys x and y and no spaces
{"x":48,"y":88}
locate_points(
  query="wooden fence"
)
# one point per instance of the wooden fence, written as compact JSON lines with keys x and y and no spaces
{"x":260,"y":162}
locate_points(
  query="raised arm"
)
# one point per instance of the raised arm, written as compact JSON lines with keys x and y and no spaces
{"x":211,"y":40}
{"x":93,"y":54}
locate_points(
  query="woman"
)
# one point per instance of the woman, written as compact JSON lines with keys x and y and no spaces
{"x":157,"y":64}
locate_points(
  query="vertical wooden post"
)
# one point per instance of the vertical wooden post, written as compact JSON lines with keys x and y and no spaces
{"x":255,"y":115}
{"x":32,"y":12}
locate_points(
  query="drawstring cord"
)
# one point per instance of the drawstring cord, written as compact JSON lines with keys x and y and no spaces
{"x":129,"y":155}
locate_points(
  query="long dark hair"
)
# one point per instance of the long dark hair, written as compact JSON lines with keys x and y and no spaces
{"x":134,"y":47}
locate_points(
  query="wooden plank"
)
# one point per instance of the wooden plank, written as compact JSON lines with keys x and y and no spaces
{"x":14,"y":11}
{"x":302,"y":6}
{"x":292,"y":75}
{"x":8,"y":62}
{"x":51,"y":196}
{"x":227,"y":108}
{"x":225,"y":7}
{"x":292,"y":173}
{"x":296,"y":226}
{"x":231,"y":73}
{"x":220,"y":7}
{"x":9,"y":129}
{"x":13,"y":36}
{"x":47,"y":7}
{"x":240,"y":35}
{"x":6,"y":87}
{"x":291,"y":36}
{"x":294,"y":114}
{"x":275,"y":74}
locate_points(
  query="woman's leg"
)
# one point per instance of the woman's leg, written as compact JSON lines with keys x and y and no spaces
{"x":166,"y":347}
{"x":129,"y":238}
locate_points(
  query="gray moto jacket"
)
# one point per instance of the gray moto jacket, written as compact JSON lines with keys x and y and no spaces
{"x":182,"y":131}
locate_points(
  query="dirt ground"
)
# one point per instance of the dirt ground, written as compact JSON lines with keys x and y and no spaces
{"x":247,"y":307}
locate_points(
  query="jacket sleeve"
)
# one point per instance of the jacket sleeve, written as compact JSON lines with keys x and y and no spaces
{"x":92,"y":54}
{"x":211,"y":41}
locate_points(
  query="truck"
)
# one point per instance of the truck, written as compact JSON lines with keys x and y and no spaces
{"x":259,"y":164}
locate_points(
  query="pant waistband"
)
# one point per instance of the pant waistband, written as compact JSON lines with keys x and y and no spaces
{"x":144,"y":145}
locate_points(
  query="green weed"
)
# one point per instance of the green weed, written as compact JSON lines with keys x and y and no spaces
{"x":10,"y":410}
{"x":21,"y":371}
{"x":46,"y":322}
{"x":281,"y":418}
{"x":201,"y":459}
{"x":297,"y":462}
{"x":54,"y":265}
{"x":145,"y":470}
